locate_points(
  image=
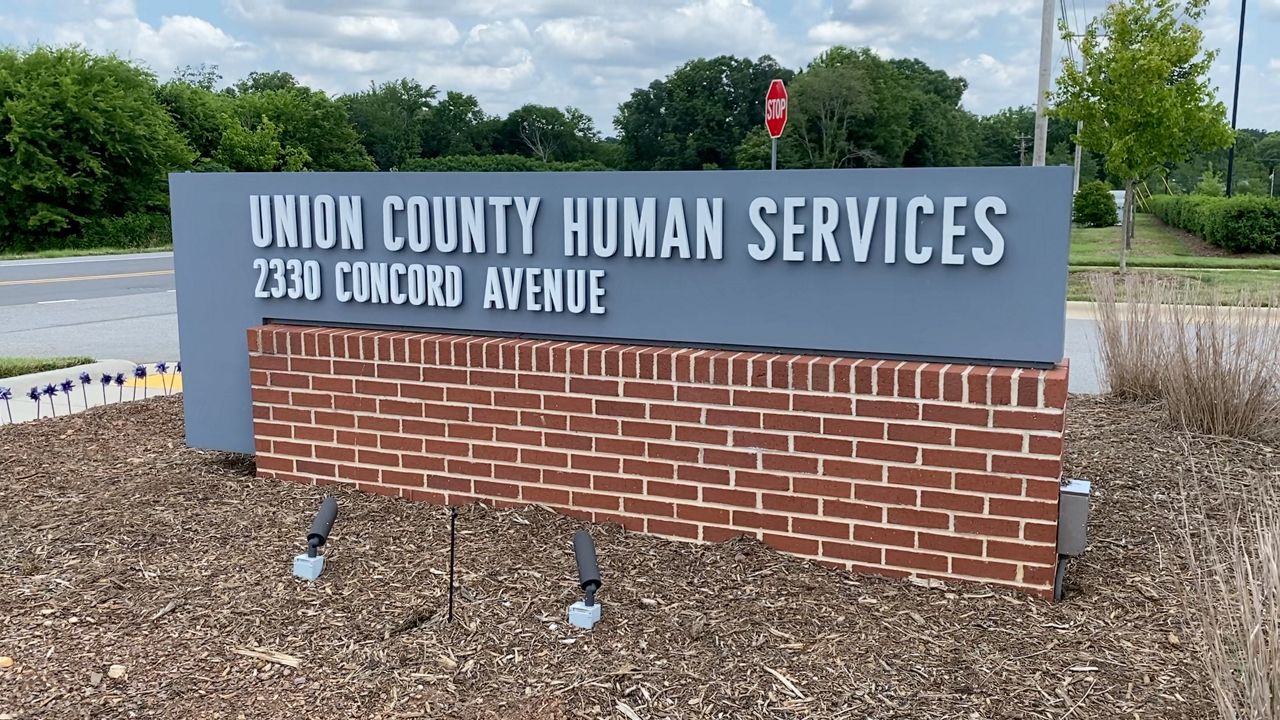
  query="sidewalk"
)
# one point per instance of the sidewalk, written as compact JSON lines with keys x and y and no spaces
{"x":24,"y":408}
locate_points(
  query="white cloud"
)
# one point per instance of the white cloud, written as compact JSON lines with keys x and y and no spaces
{"x":994,"y":84}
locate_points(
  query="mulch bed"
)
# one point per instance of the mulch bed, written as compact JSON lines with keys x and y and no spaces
{"x":118,"y":546}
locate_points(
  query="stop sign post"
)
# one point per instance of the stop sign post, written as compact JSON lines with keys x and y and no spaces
{"x":775,"y":116}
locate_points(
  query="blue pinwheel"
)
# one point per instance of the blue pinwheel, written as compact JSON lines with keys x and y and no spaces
{"x":67,"y":386}
{"x":5,"y":395}
{"x":178,"y":368}
{"x":140,"y":377}
{"x":34,"y":394}
{"x":119,"y":381}
{"x":161,"y":369}
{"x":49,"y":391}
{"x":106,"y":381}
{"x":85,"y":379}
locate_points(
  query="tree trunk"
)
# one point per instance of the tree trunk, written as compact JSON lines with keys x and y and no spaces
{"x":1126,"y":226}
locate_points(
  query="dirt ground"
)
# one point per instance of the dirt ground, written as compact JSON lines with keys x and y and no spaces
{"x":119,"y":547}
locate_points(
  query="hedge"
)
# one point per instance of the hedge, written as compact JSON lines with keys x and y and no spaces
{"x":1094,"y":206}
{"x":496,"y":163}
{"x":1246,"y":223}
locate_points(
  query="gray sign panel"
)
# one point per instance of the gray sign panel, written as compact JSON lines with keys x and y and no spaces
{"x":947,"y":263}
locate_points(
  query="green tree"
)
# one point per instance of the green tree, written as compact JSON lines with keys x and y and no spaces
{"x":755,"y":151}
{"x":1144,"y":93}
{"x":456,"y":125}
{"x":389,"y":118}
{"x":310,"y":122}
{"x":257,"y":82}
{"x":826,"y":105}
{"x":84,"y":138}
{"x":258,"y":150}
{"x":199,"y":114}
{"x":547,"y":133}
{"x":697,"y":115}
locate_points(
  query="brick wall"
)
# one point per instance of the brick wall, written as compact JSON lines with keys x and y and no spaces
{"x":890,"y":467}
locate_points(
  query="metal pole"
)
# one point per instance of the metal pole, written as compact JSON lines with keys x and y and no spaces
{"x":453,"y":541}
{"x":1046,"y":70}
{"x":1235,"y":102}
{"x":773,"y":156}
{"x":1075,"y":186}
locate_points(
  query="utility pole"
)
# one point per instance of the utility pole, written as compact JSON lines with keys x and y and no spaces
{"x":1046,"y":69}
{"x":1022,"y":139}
{"x":1235,"y":102}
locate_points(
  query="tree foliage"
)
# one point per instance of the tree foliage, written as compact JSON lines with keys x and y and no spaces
{"x":389,"y":119}
{"x":1143,"y":93}
{"x":83,"y":138}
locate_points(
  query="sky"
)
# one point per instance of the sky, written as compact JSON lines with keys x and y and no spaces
{"x":592,"y":53}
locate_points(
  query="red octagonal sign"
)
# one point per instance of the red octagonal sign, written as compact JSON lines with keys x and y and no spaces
{"x":775,"y":108}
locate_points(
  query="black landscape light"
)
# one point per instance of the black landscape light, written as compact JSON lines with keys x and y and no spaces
{"x":309,"y":564}
{"x":586,"y":612}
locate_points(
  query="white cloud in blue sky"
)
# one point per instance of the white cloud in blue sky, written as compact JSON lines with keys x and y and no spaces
{"x":592,"y":53}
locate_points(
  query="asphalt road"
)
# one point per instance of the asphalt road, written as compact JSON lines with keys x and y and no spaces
{"x":122,"y":307}
{"x":117,"y":307}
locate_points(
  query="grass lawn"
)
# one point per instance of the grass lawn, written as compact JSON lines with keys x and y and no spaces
{"x":1156,"y":245}
{"x":11,"y":366}
{"x":77,"y":252}
{"x":1227,"y":286}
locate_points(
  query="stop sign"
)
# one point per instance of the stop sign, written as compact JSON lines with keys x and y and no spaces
{"x":775,"y":108}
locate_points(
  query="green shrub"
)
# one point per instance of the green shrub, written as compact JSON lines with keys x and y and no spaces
{"x":133,"y":231}
{"x":1238,"y":224}
{"x":1094,"y":207}
{"x":496,"y":163}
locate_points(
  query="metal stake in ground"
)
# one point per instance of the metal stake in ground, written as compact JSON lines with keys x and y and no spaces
{"x":453,"y":542}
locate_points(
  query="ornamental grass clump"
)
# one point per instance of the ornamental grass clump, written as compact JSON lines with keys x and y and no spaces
{"x":1214,"y":366}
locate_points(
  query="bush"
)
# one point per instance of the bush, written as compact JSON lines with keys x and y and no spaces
{"x":1239,"y":224}
{"x":134,"y":231}
{"x":1094,"y":207}
{"x":497,"y":163}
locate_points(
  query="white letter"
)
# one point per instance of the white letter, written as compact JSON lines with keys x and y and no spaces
{"x":340,"y":290}
{"x":606,"y":244}
{"x":951,"y":231}
{"x":260,"y":219}
{"x":500,"y":205}
{"x":286,"y":221}
{"x":528,"y":213}
{"x":352,"y":212}
{"x":304,"y":220}
{"x":398,"y":295}
{"x":675,"y":234}
{"x":917,"y":205}
{"x":492,"y":290}
{"x":890,"y":230}
{"x":826,"y":216}
{"x":640,"y":227}
{"x":597,"y":292}
{"x":392,"y":241}
{"x":764,"y":250}
{"x":326,"y":222}
{"x":473,"y":225}
{"x":575,"y":227}
{"x":419,"y":224}
{"x":532,"y":288}
{"x":711,"y":228}
{"x":985,"y":205}
{"x":453,"y":285}
{"x":791,"y":229}
{"x":860,"y":227}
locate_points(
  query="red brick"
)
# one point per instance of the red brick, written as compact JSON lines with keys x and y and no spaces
{"x":728,"y":496}
{"x":545,"y":495}
{"x":915,"y":560}
{"x":1039,"y":467}
{"x":763,"y":521}
{"x":1024,"y":552}
{"x":671,"y":528}
{"x":884,"y":494}
{"x":377,"y":423}
{"x":823,"y":445}
{"x":1028,"y":420}
{"x":529,"y":401}
{"x":792,"y":423}
{"x":1002,"y":386}
{"x":657,"y":431}
{"x":567,"y":404}
{"x":822,"y":486}
{"x":1045,"y":445}
{"x":678,"y":491}
{"x":567,"y":441}
{"x":618,"y":446}
{"x":956,"y":414}
{"x":863,"y":376}
{"x":886,"y":378}
{"x":497,"y":489}
{"x":852,"y":510}
{"x":1040,"y":532}
{"x":789,"y":463}
{"x":618,"y":408}
{"x":544,"y":420}
{"x":978,"y":385}
{"x":266,"y":429}
{"x":891,"y":409}
{"x":983,"y":569}
{"x":1042,"y":489}
{"x":650,"y":391}
{"x":298,"y":450}
{"x":313,"y":400}
{"x":402,"y":478}
{"x":930,"y":434}
{"x":331,"y":452}
{"x":789,"y":503}
{"x":883,"y":451}
{"x":917,"y":518}
{"x":358,"y":473}
{"x":856,"y":553}
{"x":646,"y":468}
{"x":704,"y":474}
{"x":312,"y":467}
{"x":731,"y":458}
{"x":675,"y":413}
{"x":989,"y":484}
{"x":950,"y":544}
{"x":355,"y":403}
{"x":703,"y":395}
{"x":400,"y":443}
{"x":952,"y":501}
{"x":884,"y":536}
{"x":1029,"y":388}
{"x":422,"y":392}
{"x":761,"y":399}
{"x":930,"y":382}
{"x":546,"y":458}
{"x":1025,"y":509}
{"x":760,"y":440}
{"x":980,"y":525}
{"x":829,"y":404}
{"x":733,"y":418}
{"x":853,"y":428}
{"x":820,"y":528}
{"x":957,"y":459}
{"x":1055,"y":388}
{"x":595,"y":425}
{"x":640,"y":506}
{"x":460,"y":466}
{"x":919,"y":477}
{"x":852,"y":470}
{"x":566,"y":478}
{"x":761,"y":481}
{"x":596,"y":501}
{"x":791,"y":544}
{"x":499,"y":453}
{"x":702,"y":514}
{"x":469,"y":432}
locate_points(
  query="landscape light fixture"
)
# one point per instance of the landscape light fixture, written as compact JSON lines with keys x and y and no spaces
{"x":309,"y":564}
{"x":586,"y":612}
